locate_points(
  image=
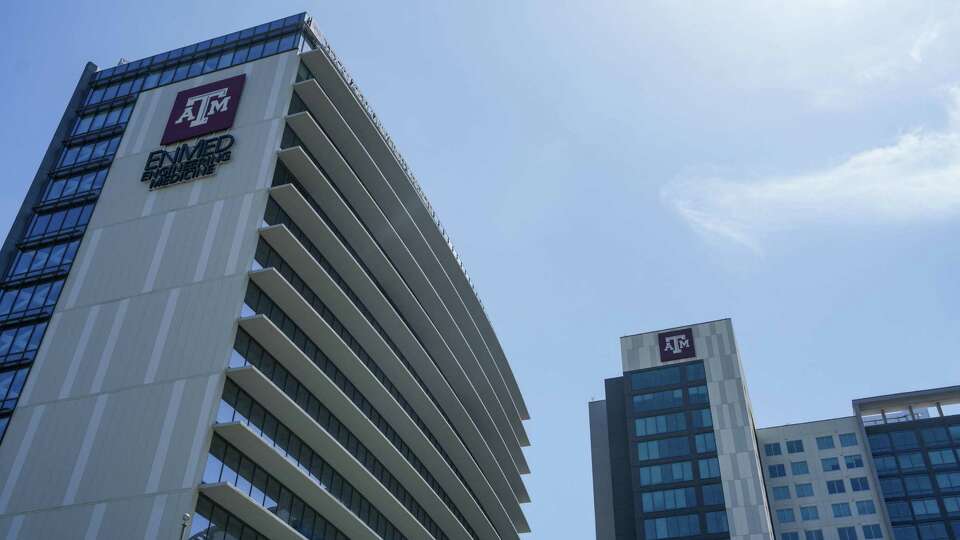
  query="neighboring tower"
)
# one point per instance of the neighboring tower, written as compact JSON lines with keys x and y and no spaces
{"x":226,"y":295}
{"x":820,"y":481}
{"x":674,"y":450}
{"x":890,"y":471}
{"x":914,"y":442}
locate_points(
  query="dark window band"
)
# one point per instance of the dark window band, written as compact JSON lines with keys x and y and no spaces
{"x":226,"y":464}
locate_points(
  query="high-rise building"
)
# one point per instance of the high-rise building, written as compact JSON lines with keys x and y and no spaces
{"x":676,"y":455}
{"x":226,"y":295}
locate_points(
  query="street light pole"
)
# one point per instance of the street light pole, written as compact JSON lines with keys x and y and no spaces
{"x":183,"y":525}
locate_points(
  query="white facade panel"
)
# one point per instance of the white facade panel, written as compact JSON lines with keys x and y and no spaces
{"x":126,"y":382}
{"x":807,"y":433}
{"x":747,"y":512}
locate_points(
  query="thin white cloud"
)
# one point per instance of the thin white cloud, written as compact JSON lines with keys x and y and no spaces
{"x":915,"y":179}
{"x":923,"y":42}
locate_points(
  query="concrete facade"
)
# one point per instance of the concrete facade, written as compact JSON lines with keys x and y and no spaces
{"x":313,"y":242}
{"x":122,"y":393}
{"x":871,"y":509}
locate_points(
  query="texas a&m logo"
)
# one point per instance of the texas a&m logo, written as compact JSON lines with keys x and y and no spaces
{"x":204,"y":109}
{"x":196,"y":112}
{"x":676,"y":345}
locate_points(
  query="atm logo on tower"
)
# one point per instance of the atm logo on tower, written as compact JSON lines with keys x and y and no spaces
{"x":204,"y":109}
{"x":676,"y":345}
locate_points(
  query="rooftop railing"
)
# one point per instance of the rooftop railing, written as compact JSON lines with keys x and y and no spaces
{"x":910,"y":414}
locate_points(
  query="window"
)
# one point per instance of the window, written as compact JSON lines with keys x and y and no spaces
{"x":663,"y":448}
{"x":804,"y":490}
{"x":670,"y":499}
{"x":701,"y":419}
{"x":781,"y":493}
{"x":666,"y":474}
{"x":776,"y":471}
{"x":772,"y":449}
{"x":848,"y":439}
{"x":809,"y":513}
{"x":658,"y":400}
{"x":672,"y":527}
{"x":790,"y":536}
{"x":951,"y":505}
{"x":891,"y":487}
{"x":705,"y":442}
{"x":847,"y":533}
{"x":859,"y":484}
{"x":11,"y":384}
{"x":911,"y":462}
{"x":816,"y":534}
{"x":907,"y":532}
{"x":224,"y":462}
{"x":102,"y":119}
{"x":872,"y":531}
{"x":75,"y":155}
{"x":211,"y":519}
{"x":709,"y":468}
{"x":941,"y":458}
{"x":853,"y":462}
{"x":949,"y":481}
{"x":696,"y":371}
{"x":62,"y":188}
{"x":785,"y":515}
{"x":866,"y":508}
{"x":935,"y":436}
{"x":933,"y":531}
{"x":257,"y":298}
{"x":37,"y":261}
{"x":904,"y":440}
{"x":918,"y":484}
{"x":237,"y":405}
{"x":717,"y":522}
{"x":825,"y":442}
{"x":885,"y":464}
{"x":794,"y":447}
{"x":61,"y":221}
{"x":27,"y":301}
{"x":698,"y":394}
{"x":20,"y":343}
{"x":879,"y":442}
{"x":654,"y":425}
{"x":954,"y":432}
{"x":841,"y":510}
{"x":668,"y":376}
{"x":712,"y":494}
{"x":657,"y":377}
{"x":830,"y":464}
{"x":899,"y":511}
{"x":799,"y":468}
{"x":835,"y":486}
{"x":925,"y":508}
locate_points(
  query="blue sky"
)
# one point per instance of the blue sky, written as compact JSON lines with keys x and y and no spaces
{"x":612,"y":167}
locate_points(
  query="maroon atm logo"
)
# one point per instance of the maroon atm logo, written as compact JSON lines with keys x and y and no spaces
{"x":676,"y":345}
{"x":204,"y":109}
